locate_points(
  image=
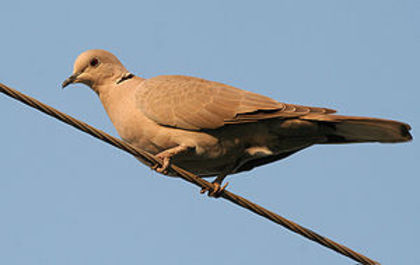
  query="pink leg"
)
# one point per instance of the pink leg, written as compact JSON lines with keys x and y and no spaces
{"x":166,"y":156}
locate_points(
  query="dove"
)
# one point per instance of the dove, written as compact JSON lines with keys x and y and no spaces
{"x":212,"y":129}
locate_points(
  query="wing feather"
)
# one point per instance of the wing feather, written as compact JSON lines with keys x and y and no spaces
{"x":194,"y":104}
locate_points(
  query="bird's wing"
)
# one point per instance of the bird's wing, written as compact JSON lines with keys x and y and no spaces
{"x":195,"y":104}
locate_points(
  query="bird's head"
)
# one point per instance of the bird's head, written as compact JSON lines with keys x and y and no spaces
{"x":95,"y":68}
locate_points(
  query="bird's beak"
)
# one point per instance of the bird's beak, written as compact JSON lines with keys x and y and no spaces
{"x":70,"y":80}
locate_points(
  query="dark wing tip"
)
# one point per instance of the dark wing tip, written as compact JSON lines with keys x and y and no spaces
{"x":405,"y":132}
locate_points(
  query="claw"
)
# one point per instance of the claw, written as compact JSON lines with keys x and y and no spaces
{"x":216,"y":192}
{"x":164,"y":168}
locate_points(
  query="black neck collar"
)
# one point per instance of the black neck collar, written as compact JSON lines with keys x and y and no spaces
{"x":125,"y":77}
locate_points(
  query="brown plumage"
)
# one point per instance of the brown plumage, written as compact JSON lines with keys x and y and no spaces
{"x":195,"y":104}
{"x":213,"y":129}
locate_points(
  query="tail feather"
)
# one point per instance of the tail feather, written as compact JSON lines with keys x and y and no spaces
{"x":348,"y":129}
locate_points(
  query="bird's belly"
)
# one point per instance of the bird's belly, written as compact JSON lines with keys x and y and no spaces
{"x":206,"y":153}
{"x":209,"y":153}
{"x":213,"y":152}
{"x":211,"y":160}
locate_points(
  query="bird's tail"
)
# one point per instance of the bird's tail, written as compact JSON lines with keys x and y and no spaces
{"x":348,"y":129}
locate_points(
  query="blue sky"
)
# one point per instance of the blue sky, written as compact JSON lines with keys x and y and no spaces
{"x":66,"y":198}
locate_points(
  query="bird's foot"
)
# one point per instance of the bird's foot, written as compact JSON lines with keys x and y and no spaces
{"x":166,"y":161}
{"x":217,"y":191}
{"x":166,"y":156}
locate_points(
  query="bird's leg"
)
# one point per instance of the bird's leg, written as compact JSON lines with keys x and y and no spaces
{"x":218,"y":188}
{"x":166,"y":156}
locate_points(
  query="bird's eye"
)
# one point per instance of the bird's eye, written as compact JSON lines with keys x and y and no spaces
{"x":94,"y":62}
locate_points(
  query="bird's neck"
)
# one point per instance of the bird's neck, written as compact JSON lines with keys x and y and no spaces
{"x":119,"y":101}
{"x":111,"y":92}
{"x":116,"y":97}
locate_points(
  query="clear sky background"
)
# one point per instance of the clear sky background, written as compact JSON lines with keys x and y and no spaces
{"x":67,"y":198}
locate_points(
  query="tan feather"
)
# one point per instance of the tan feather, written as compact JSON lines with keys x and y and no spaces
{"x":200,"y":104}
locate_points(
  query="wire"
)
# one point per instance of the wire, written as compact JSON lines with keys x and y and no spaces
{"x":149,"y":160}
